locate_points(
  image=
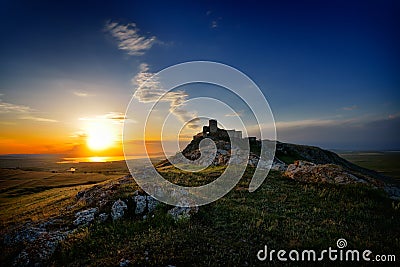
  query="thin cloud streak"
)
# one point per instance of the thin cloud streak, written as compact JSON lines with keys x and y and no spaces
{"x":39,"y":119}
{"x":21,"y":112}
{"x":81,"y":94}
{"x":149,"y":90}
{"x":116,"y":117}
{"x":129,"y":39}
{"x":353,"y":107}
{"x":356,"y":133}
{"x":13,"y":108}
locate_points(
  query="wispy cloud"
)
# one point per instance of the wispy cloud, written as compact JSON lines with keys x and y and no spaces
{"x":21,"y":112}
{"x":129,"y":39}
{"x":115,"y":117}
{"x":234,"y":114}
{"x":350,"y":108}
{"x":81,"y":93}
{"x":394,"y":116}
{"x":356,"y":133}
{"x":150,"y":90}
{"x":13,"y":108}
{"x":307,"y":123}
{"x":39,"y":119}
{"x":215,"y":20}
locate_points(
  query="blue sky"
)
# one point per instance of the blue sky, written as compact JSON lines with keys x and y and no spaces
{"x":329,"y":69}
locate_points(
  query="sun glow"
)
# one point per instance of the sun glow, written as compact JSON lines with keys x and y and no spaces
{"x":100,"y":136}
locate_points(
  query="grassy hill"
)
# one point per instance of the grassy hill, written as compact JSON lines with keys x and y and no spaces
{"x":283,"y":214}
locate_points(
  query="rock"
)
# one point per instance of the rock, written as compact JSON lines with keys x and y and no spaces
{"x":141,"y":204}
{"x":393,"y":191}
{"x":278,"y":167}
{"x":40,"y":250}
{"x":85,"y":217}
{"x":144,"y":203}
{"x":179,"y":213}
{"x":26,"y":234}
{"x":123,"y":262}
{"x":151,"y":203}
{"x":117,"y":209}
{"x":327,"y":173}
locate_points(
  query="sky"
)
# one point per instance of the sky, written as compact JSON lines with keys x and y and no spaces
{"x":68,"y":70}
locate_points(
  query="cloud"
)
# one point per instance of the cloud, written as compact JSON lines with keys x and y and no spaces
{"x":353,"y":107}
{"x":234,"y":114}
{"x":214,"y":24}
{"x":307,"y":123}
{"x":39,"y":119}
{"x":357,"y":133}
{"x":394,"y":116}
{"x":13,"y":108}
{"x":149,"y":90}
{"x":129,"y":39}
{"x":81,"y":93}
{"x":22,"y":112}
{"x":115,"y":117}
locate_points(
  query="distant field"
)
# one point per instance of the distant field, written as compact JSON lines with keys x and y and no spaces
{"x":25,"y":175}
{"x":386,"y":163}
{"x":282,"y":213}
{"x":18,"y":182}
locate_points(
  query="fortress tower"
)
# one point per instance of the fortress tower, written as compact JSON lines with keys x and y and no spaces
{"x":213,"y":126}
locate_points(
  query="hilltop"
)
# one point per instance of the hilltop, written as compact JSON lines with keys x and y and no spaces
{"x":311,"y":198}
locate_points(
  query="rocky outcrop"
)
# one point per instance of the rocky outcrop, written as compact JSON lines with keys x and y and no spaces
{"x":305,"y":171}
{"x":85,"y":217}
{"x":179,"y":213}
{"x":38,"y":241}
{"x":223,"y":157}
{"x":118,"y":209}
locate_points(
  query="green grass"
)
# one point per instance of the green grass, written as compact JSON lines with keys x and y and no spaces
{"x":14,"y":183}
{"x":386,"y":163}
{"x":282,"y":214}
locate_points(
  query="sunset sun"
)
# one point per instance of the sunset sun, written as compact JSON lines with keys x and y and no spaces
{"x":100,"y":136}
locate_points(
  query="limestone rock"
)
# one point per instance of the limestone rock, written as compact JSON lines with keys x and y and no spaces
{"x":144,"y":203}
{"x":151,"y":204}
{"x":140,"y":204}
{"x":392,"y":191}
{"x":327,"y":173}
{"x":118,"y":209}
{"x":179,"y":213}
{"x":85,"y":217}
{"x":124,"y":263}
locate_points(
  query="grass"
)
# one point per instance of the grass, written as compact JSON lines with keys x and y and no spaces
{"x":18,"y":182}
{"x":282,"y":214}
{"x":386,"y":163}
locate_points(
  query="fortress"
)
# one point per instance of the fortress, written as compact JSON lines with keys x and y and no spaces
{"x":213,"y":131}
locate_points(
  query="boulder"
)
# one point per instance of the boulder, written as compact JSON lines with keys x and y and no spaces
{"x":179,"y":213}
{"x":305,"y":171}
{"x":140,"y":204}
{"x":118,"y":209}
{"x":85,"y":217}
{"x":144,"y":203}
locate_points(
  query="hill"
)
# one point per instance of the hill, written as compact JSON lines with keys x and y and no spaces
{"x":301,"y":205}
